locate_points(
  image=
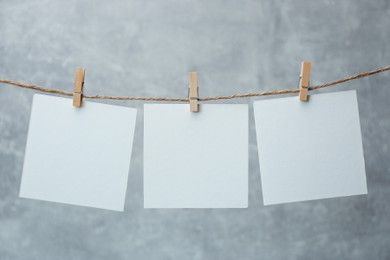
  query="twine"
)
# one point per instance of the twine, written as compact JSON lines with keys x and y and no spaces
{"x":238,"y":95}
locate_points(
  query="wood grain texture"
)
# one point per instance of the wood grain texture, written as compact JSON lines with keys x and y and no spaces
{"x":193,"y":93}
{"x":78,"y":87}
{"x":304,"y":81}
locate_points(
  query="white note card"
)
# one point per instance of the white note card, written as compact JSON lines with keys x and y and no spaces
{"x":195,"y":160}
{"x":79,"y":156}
{"x":310,"y":150}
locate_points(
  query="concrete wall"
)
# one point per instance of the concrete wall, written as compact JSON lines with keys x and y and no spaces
{"x":147,"y":48}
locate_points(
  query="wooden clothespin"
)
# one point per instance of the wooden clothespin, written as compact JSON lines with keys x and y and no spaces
{"x":78,"y":87}
{"x":193,"y":92}
{"x":304,"y":81}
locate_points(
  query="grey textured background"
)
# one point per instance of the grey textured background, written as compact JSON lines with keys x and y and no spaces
{"x":147,"y":48}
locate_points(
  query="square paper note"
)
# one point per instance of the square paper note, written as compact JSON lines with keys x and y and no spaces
{"x":310,"y":150}
{"x":78,"y":156}
{"x":196,"y":160}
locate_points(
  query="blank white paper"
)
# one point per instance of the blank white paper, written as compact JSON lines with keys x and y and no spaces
{"x":195,"y":160}
{"x":310,"y":150}
{"x":78,"y":156}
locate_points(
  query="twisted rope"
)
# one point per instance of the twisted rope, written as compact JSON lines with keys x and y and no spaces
{"x":238,"y":95}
